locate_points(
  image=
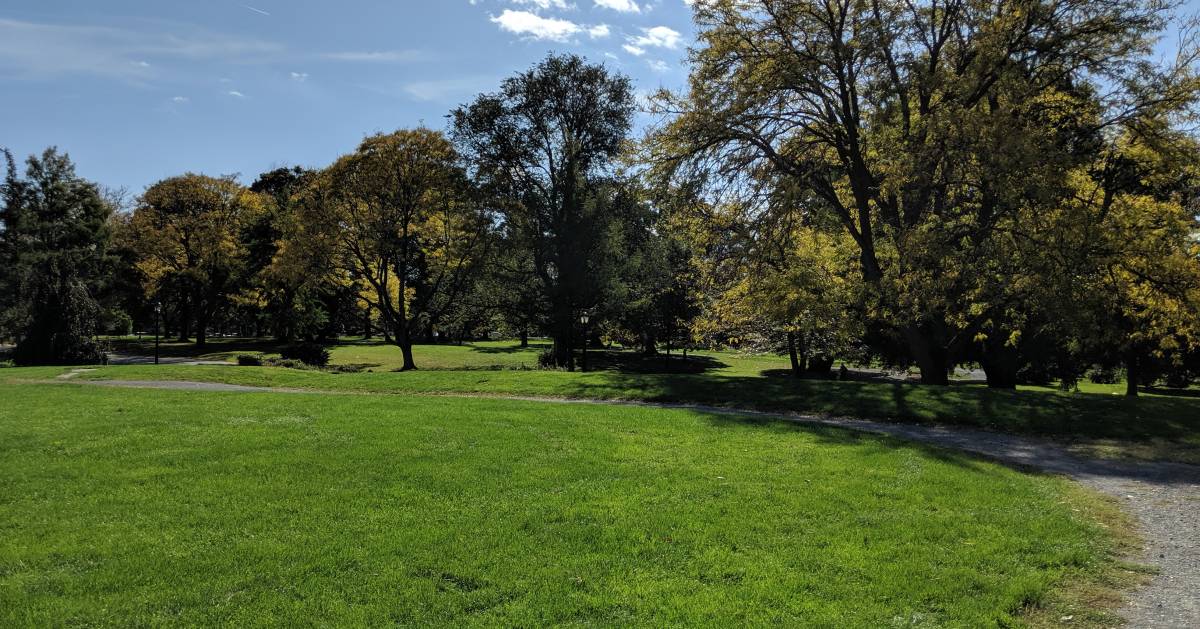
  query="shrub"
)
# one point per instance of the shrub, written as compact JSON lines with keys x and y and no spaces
{"x":546,"y":360}
{"x":286,"y":363}
{"x":250,"y":360}
{"x":1104,"y":375}
{"x":311,"y":354}
{"x":1178,"y":379}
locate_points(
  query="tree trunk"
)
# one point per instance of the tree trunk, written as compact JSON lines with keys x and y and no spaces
{"x":524,"y":337}
{"x":931,"y":360}
{"x":404,"y":340}
{"x":797,"y":368}
{"x":201,"y":328}
{"x":1001,"y":365}
{"x":1133,"y":372}
{"x":563,"y":343}
{"x":185,"y":321}
{"x":649,"y":344}
{"x":406,"y":350}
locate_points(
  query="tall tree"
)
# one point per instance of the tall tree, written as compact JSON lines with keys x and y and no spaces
{"x":541,"y":146}
{"x":186,"y":233}
{"x":917,"y":126}
{"x":399,"y":216}
{"x":53,"y":249}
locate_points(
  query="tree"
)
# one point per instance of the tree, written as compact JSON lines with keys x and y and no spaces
{"x":400,"y":218}
{"x":917,"y":126}
{"x":186,"y":232}
{"x":541,"y":147}
{"x":53,"y":249}
{"x":1131,"y":228}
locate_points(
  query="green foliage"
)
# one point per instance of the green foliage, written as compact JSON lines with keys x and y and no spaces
{"x":543,"y":148}
{"x":249,"y":360}
{"x":935,"y":138}
{"x":185,"y":235}
{"x":311,"y":354}
{"x":53,"y":246}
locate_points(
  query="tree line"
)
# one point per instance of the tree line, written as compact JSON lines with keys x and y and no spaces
{"x":1009,"y":184}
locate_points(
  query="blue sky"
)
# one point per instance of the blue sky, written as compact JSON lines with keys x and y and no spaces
{"x":140,"y":90}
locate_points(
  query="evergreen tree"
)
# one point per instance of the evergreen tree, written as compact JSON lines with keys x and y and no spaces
{"x":54,"y":243}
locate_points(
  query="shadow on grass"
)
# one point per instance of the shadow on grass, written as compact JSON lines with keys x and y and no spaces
{"x":1028,"y":412}
{"x":869,"y":443}
{"x":634,"y":362}
{"x":1184,"y":393}
{"x":512,"y":349}
{"x":188,"y":349}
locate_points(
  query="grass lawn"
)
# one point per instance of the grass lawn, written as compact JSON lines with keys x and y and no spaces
{"x":1153,"y":427}
{"x":130,"y":508}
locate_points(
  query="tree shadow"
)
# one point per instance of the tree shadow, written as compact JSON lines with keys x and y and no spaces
{"x":1174,"y":420}
{"x":1181,"y":393}
{"x":634,"y":362}
{"x":512,"y":349}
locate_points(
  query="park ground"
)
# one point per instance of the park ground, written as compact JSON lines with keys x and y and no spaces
{"x":1096,"y":420}
{"x":368,"y":497}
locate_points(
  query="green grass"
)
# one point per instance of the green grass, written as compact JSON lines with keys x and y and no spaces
{"x":125,"y":508}
{"x":1152,"y":427}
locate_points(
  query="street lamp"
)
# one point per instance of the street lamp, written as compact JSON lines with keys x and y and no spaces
{"x":157,"y":319}
{"x":584,"y":318}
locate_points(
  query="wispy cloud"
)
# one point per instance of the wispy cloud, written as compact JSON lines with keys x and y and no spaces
{"x":180,"y":99}
{"x":299,"y":77}
{"x":447,"y":90}
{"x":235,"y":94}
{"x":543,"y":4}
{"x":378,"y":56}
{"x":256,"y":10}
{"x":37,"y":51}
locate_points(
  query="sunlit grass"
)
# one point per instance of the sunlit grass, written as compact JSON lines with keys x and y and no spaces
{"x":129,"y":508}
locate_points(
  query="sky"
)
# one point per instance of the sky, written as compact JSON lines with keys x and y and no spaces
{"x":139,"y":90}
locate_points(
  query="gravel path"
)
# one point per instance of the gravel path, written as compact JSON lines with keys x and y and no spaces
{"x":1164,"y":497}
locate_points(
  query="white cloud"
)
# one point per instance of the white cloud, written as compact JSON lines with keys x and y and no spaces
{"x":534,"y":26}
{"x":599,"y":31}
{"x":299,"y":77}
{"x":180,"y":99}
{"x":659,"y":37}
{"x":235,"y":94}
{"x":633,"y":50}
{"x":623,"y":6}
{"x":658,"y":65}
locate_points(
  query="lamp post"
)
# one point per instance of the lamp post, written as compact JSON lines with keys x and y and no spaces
{"x":584,"y":318}
{"x":157,"y":322}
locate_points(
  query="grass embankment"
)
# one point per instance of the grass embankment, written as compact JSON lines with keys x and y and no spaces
{"x":167,"y":507}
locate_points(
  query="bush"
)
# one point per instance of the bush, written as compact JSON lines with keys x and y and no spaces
{"x":311,"y":354}
{"x":250,"y":360}
{"x":1178,"y":379}
{"x":1104,"y":375}
{"x":286,"y":363}
{"x":546,"y":360}
{"x":120,"y":323}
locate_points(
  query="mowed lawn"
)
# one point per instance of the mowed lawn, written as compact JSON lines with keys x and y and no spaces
{"x":138,"y":507}
{"x":1095,"y":421}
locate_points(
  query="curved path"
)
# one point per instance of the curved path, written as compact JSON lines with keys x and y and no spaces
{"x":1164,"y":497}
